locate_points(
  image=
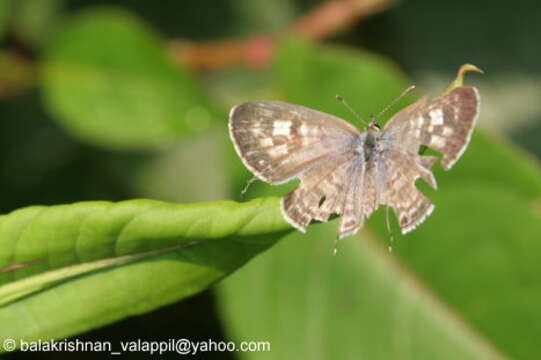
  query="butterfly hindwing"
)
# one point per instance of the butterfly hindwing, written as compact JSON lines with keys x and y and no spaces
{"x":362,"y":198}
{"x":321,"y":192}
{"x":400,"y":171}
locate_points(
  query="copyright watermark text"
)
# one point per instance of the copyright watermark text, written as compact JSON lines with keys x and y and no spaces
{"x":179,"y":346}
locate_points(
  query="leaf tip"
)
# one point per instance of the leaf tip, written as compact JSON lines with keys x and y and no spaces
{"x":459,"y":80}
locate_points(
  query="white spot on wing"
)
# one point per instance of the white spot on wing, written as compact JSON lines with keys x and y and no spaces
{"x":448,"y":131}
{"x":436,"y":117}
{"x":266,"y":142}
{"x":280,"y":131}
{"x":437,"y":141}
{"x":281,"y":127}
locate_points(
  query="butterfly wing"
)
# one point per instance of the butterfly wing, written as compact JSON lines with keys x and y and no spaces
{"x":279,"y":141}
{"x":445,"y":125}
{"x":324,"y":190}
{"x":399,"y":171}
{"x":345,"y":185}
{"x":361,"y":198}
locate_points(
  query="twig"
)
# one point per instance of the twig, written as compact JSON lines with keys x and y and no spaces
{"x":325,"y":20}
{"x":334,"y":16}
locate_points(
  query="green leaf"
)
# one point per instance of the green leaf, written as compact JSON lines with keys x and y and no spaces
{"x":100,"y":262}
{"x":359,"y":304}
{"x":452,"y":289}
{"x":107,"y":79}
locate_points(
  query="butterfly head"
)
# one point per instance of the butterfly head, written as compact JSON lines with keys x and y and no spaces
{"x":373,"y":124}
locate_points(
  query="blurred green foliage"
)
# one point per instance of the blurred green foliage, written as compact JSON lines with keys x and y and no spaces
{"x":93,"y":107}
{"x":35,"y":21}
{"x":108,"y":79}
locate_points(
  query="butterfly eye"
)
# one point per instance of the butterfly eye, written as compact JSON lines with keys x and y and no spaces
{"x":374,"y":125}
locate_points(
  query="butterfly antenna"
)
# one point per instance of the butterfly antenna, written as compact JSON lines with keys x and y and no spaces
{"x":389,"y":229}
{"x":243,"y":192}
{"x":392,"y":103}
{"x":344,"y":102}
{"x":335,"y":249}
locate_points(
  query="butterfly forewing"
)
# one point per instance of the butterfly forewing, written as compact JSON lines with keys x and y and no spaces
{"x":279,"y":141}
{"x":445,"y":124}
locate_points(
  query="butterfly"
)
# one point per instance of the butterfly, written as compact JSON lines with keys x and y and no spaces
{"x":348,"y":172}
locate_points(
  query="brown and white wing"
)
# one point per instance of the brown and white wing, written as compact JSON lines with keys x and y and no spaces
{"x":444,"y":124}
{"x":361,"y":199}
{"x":323,"y":191}
{"x":397,"y":176}
{"x":279,"y":141}
{"x":345,"y":186}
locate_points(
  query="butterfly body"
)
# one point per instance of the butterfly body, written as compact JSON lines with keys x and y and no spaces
{"x":369,"y":145}
{"x":346,"y":171}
